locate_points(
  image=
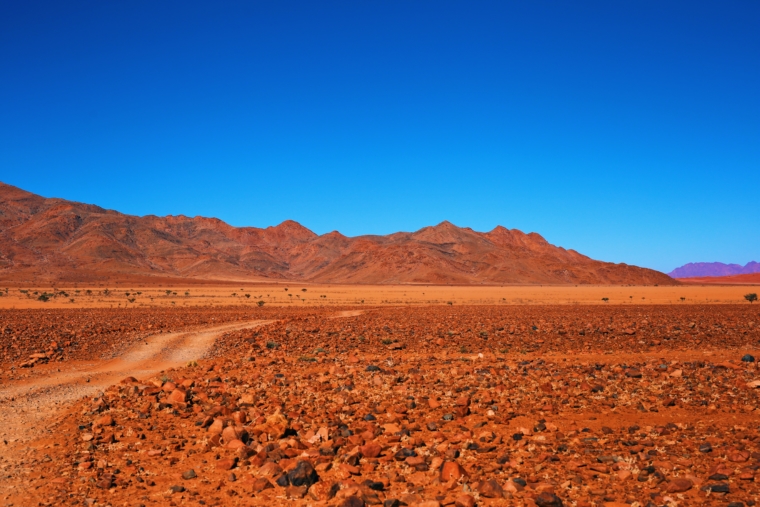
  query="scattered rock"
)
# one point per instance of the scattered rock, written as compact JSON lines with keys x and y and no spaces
{"x":452,"y":470}
{"x":464,"y":500}
{"x":679,"y":485}
{"x":303,"y":475}
{"x":490,"y":489}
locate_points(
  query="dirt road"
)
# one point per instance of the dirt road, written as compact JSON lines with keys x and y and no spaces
{"x":35,"y":403}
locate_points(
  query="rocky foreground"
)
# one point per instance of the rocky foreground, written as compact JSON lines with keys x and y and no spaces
{"x":462,"y":406}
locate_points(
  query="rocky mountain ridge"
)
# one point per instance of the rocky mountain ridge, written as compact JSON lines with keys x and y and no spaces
{"x":56,"y":239}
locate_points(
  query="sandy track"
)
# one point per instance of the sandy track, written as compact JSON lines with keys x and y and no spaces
{"x":347,"y":313}
{"x":38,"y":402}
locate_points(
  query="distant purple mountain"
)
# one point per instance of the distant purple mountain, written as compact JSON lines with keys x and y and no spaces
{"x":694,"y":269}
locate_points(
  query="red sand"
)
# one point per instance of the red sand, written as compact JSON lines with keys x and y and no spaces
{"x":748,"y":279}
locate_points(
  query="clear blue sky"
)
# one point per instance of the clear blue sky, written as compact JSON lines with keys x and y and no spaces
{"x":627,"y":130}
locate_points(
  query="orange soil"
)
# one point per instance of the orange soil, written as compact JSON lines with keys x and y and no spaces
{"x":748,"y":279}
{"x":335,"y":294}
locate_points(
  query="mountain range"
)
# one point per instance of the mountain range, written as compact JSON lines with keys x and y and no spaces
{"x":703,"y":269}
{"x":59,"y":240}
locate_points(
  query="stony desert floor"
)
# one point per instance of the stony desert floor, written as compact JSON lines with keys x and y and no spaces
{"x":337,"y":404}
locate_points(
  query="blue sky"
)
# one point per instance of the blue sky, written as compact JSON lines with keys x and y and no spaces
{"x":629,"y":131}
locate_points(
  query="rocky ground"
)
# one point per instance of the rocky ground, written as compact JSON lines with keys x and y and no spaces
{"x":432,"y":406}
{"x":31,"y":337}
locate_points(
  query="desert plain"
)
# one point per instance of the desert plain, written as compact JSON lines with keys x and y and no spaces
{"x":341,"y":395}
{"x":121,"y":294}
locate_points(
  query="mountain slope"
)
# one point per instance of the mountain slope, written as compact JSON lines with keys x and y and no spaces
{"x":62,"y":240}
{"x":702,"y":269}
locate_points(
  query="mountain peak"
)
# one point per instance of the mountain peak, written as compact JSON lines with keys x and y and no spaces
{"x":709,"y":269}
{"x":292,"y":228}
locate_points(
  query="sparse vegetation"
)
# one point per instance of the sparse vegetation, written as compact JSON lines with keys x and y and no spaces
{"x":605,"y":299}
{"x":751,"y":297}
{"x":260,"y":303}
